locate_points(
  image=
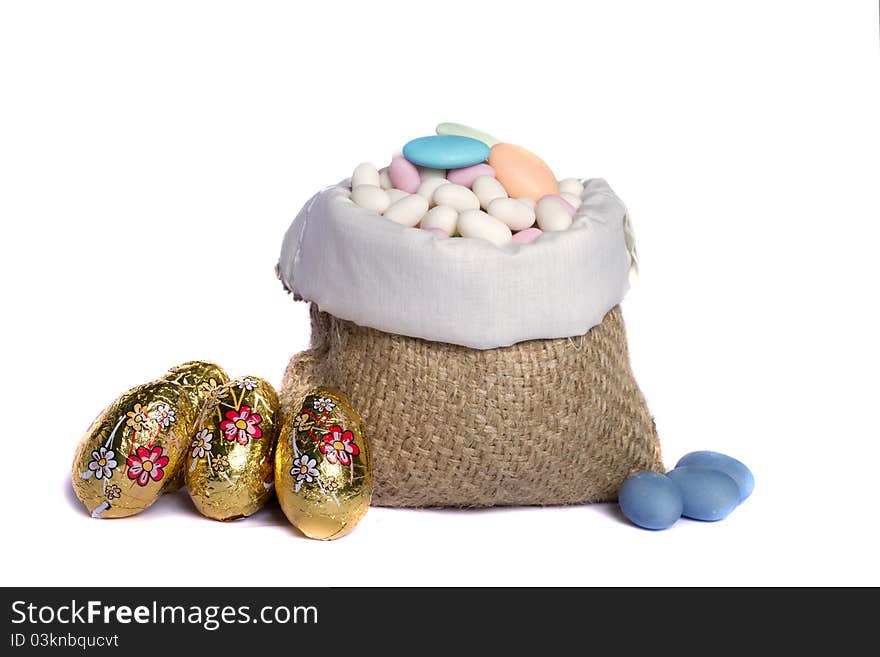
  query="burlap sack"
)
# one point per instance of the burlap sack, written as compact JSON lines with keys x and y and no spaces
{"x":540,"y":422}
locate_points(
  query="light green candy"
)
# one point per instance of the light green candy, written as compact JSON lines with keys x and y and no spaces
{"x":466,"y":131}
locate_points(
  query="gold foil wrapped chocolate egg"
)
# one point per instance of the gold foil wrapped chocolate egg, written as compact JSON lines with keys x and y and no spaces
{"x":133,"y":449}
{"x":229,"y":466}
{"x":199,"y":379}
{"x":322,"y":466}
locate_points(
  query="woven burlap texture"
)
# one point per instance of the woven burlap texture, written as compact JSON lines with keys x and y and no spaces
{"x":537,"y":423}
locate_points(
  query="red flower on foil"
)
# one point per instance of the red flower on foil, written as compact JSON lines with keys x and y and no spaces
{"x":241,"y":425}
{"x":337,"y":446}
{"x":146,"y":464}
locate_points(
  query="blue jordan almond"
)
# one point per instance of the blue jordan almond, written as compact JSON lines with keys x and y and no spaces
{"x":650,"y":500}
{"x":734,"y":469}
{"x":445,"y":151}
{"x":707,"y":495}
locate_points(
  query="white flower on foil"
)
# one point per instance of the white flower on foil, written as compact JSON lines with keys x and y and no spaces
{"x":164,"y":415}
{"x":246,"y":384}
{"x":324,"y":404}
{"x":102,"y":463}
{"x":201,"y":443}
{"x":304,"y":470}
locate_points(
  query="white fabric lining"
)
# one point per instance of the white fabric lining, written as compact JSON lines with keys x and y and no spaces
{"x":361,"y":267}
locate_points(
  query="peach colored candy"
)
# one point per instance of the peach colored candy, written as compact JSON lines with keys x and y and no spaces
{"x":404,"y":175}
{"x":527,"y":236}
{"x":466,"y":176}
{"x":522,"y":172}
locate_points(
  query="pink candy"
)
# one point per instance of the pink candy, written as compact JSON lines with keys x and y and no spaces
{"x":527,"y":236}
{"x":404,"y":175}
{"x":438,"y":231}
{"x":466,"y":176}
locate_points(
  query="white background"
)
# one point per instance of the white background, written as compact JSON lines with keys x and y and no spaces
{"x":152,"y":156}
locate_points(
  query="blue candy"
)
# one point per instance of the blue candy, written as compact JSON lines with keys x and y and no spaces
{"x":446,"y":151}
{"x":650,"y":500}
{"x":707,"y":494}
{"x":723,"y":463}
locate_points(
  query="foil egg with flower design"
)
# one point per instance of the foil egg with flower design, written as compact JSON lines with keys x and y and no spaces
{"x":229,"y":466}
{"x":323,"y":472}
{"x":133,"y":450}
{"x":199,"y":379}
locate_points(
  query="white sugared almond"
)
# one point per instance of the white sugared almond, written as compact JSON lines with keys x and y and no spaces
{"x":442,"y":217}
{"x":385,"y":179}
{"x":485,"y":211}
{"x":456,"y":196}
{"x":487,"y":190}
{"x":429,"y":186}
{"x":395,"y":195}
{"x":408,"y":211}
{"x":571,"y":186}
{"x":552,"y":215}
{"x":371,"y":197}
{"x":364,"y":174}
{"x":515,"y":215}
{"x":425,"y":173}
{"x":476,"y":223}
{"x":574,"y":200}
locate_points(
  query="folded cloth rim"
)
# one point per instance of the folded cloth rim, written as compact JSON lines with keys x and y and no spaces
{"x":361,"y":267}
